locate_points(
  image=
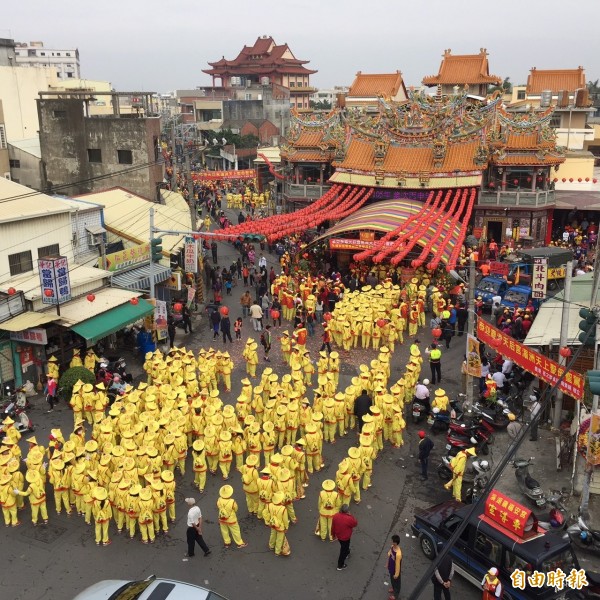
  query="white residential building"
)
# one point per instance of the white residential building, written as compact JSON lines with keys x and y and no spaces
{"x":34,"y":54}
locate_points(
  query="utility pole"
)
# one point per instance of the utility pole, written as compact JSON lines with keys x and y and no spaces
{"x":173,"y":159}
{"x":564,"y":339}
{"x":151,"y":269}
{"x":589,"y":467}
{"x":470,"y":324}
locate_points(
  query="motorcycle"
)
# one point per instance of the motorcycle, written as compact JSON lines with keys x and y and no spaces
{"x":419,"y":410}
{"x":479,"y":439}
{"x":584,"y":537}
{"x":441,"y":420}
{"x":17,"y":413}
{"x":557,"y":517}
{"x":473,"y":492}
{"x":529,"y":487}
{"x":498,"y":417}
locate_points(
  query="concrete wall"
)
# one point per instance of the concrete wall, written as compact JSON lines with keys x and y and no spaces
{"x":7,"y":52}
{"x":19,"y":89}
{"x":66,"y":135}
{"x":4,"y":164}
{"x":29,"y":172}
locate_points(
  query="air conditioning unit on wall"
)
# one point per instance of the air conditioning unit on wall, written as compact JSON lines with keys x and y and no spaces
{"x":7,"y":176}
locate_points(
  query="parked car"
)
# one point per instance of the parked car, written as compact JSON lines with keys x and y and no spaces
{"x":483,"y":544}
{"x":519,"y":296}
{"x":146,"y":589}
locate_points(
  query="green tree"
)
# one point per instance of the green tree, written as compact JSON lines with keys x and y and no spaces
{"x":70,"y":377}
{"x":505,"y":87}
{"x":320,"y":105}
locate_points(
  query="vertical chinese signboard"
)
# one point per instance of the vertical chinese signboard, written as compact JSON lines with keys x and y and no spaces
{"x":160,"y":320}
{"x":191,"y":255}
{"x":539,"y":282}
{"x":54,"y":280}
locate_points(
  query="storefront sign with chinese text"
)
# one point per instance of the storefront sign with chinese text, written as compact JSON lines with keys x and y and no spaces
{"x":117,"y":261}
{"x":507,"y":513}
{"x":54,"y":280}
{"x":191,"y":255}
{"x":539,"y":281}
{"x":499,"y":268}
{"x":542,"y":367}
{"x":33,"y":336}
{"x":160,"y":319}
{"x":210,"y":175}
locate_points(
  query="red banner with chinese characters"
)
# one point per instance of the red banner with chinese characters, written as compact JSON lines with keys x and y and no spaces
{"x":212,"y":175}
{"x":499,"y":268}
{"x":506,"y":513}
{"x":542,"y":367}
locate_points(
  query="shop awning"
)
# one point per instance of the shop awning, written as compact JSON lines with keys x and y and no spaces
{"x":139,"y":279}
{"x":28,"y":320}
{"x":98,"y":327}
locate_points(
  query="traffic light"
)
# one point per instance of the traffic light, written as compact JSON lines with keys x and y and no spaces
{"x":588,"y":327}
{"x":593,"y":378}
{"x":156,"y":250}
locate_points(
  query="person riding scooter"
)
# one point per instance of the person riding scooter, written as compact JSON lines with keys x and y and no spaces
{"x":422,"y":395}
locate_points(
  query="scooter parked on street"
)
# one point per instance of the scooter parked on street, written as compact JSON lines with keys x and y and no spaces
{"x":584,"y":537}
{"x":480,"y":439}
{"x":557,"y":517}
{"x":529,"y":487}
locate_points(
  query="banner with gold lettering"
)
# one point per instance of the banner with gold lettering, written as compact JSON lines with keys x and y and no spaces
{"x":213,"y":175}
{"x":542,"y":367}
{"x":508,"y":514}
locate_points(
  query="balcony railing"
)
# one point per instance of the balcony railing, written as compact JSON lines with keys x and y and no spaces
{"x":308,"y":190}
{"x":536,"y":199}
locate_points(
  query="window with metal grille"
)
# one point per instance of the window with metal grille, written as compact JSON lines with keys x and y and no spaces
{"x":14,"y":163}
{"x":2,"y":138}
{"x":52,"y":250}
{"x":20,"y":262}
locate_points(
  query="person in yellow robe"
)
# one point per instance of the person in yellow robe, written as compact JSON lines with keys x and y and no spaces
{"x":327,"y":506}
{"x":228,"y":523}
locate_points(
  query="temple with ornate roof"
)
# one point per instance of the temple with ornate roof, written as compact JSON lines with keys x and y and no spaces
{"x":266,"y":62}
{"x":427,"y":145}
{"x":462,"y":70}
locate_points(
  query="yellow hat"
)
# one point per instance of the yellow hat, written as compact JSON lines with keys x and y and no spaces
{"x":91,"y":446}
{"x":287,"y":450}
{"x":135,"y":489}
{"x":13,"y":466}
{"x":284,"y":474}
{"x":225,"y":492}
{"x":105,"y":460}
{"x":252,"y":460}
{"x":100,"y":386}
{"x":158,"y":486}
{"x":87,"y":388}
{"x":353,"y":452}
{"x":440,"y":392}
{"x":277,"y":498}
{"x":198,"y":445}
{"x":328,"y":485}
{"x":334,"y":355}
{"x":32,"y":440}
{"x":310,"y":428}
{"x":4,"y":479}
{"x":276,"y":459}
{"x":146,"y":494}
{"x":266,"y":470}
{"x":167,"y":476}
{"x":32,"y":476}
{"x":118,"y":451}
{"x":128,"y":464}
{"x":268,"y":426}
{"x":58,"y":464}
{"x":100,"y":493}
{"x":225,"y":436}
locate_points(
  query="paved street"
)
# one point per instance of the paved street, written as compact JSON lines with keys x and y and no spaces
{"x":57,"y":561}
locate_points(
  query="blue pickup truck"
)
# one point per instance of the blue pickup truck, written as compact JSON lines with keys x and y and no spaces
{"x":489,"y":287}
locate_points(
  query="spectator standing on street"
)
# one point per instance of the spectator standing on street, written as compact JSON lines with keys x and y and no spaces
{"x":276,"y":306}
{"x":534,"y":409}
{"x":326,"y":339}
{"x":341,"y":528}
{"x":171,"y":330}
{"x":186,"y":317}
{"x":394,"y":565}
{"x":213,"y":249}
{"x":246,"y":302}
{"x":215,"y":319}
{"x":256,"y":315}
{"x":442,"y":577}
{"x":362,"y":404}
{"x":51,"y":395}
{"x":237,"y":327}
{"x":265,"y":340}
{"x":226,"y":329}
{"x":425,"y":448}
{"x":194,"y":529}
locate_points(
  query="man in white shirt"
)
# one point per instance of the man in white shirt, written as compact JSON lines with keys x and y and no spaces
{"x":194,"y":529}
{"x":507,"y":366}
{"x":534,"y":409}
{"x":500,"y":379}
{"x":262,"y":262}
{"x":422,"y":394}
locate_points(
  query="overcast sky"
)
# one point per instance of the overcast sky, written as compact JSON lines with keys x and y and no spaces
{"x":160,"y":46}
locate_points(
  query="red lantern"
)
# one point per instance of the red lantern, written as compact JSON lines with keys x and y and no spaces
{"x":529,"y":180}
{"x":380,"y":322}
{"x":224,"y":311}
{"x":177,"y":307}
{"x":565,"y":352}
{"x":327,"y":316}
{"x":555,"y":179}
{"x":91,"y":297}
{"x":594,"y":180}
{"x":275,"y":314}
{"x":48,"y":293}
{"x":579,"y":179}
{"x":134,"y":301}
{"x":11,"y":291}
{"x":491,"y":184}
{"x":515,"y":181}
{"x":570,"y":180}
{"x":587,"y":179}
{"x":436,"y":332}
{"x":564,"y":179}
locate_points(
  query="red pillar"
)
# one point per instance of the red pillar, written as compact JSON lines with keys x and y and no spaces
{"x":549,"y":223}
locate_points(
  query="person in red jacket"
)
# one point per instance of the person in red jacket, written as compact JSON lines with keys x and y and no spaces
{"x":341,"y":528}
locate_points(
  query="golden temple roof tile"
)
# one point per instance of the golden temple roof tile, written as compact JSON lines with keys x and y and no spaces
{"x":309,"y":139}
{"x":360,"y":156}
{"x":528,"y":160}
{"x":555,"y":80}
{"x":373,"y":84}
{"x":463,"y":69}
